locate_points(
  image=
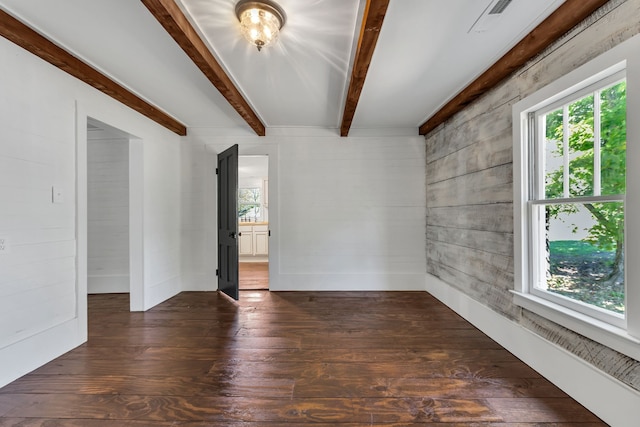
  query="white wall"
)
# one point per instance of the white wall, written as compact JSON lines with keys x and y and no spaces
{"x":199,"y":218}
{"x":345,"y":213}
{"x":42,"y":297}
{"x":108,"y":214}
{"x":162,"y":218}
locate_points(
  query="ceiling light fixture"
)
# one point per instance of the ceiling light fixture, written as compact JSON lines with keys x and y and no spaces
{"x":260,"y":21}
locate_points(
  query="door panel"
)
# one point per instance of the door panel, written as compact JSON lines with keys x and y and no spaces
{"x":228,"y":222}
{"x":261,"y":239}
{"x":245,"y":240}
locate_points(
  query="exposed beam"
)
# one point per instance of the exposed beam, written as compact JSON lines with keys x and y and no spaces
{"x":374,"y":13}
{"x":25,"y":37}
{"x":563,"y":19}
{"x":178,"y":26}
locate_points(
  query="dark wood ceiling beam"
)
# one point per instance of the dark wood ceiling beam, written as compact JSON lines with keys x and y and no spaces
{"x":374,"y":13}
{"x":178,"y":26}
{"x":563,"y":19}
{"x":25,"y":37}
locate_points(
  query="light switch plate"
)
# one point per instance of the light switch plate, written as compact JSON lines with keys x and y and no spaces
{"x":56,"y":194}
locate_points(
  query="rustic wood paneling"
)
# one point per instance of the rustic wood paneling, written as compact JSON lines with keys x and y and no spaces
{"x":496,"y":217}
{"x":469,"y":243}
{"x":489,"y":241}
{"x":485,"y":266}
{"x":491,"y":185}
{"x":493,"y":296}
{"x":486,"y":126}
{"x":491,"y":152}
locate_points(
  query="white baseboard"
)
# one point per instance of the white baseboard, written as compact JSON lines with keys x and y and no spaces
{"x":613,"y":401}
{"x":113,"y":284}
{"x":24,"y":356}
{"x":347,"y":282}
{"x":162,"y":291}
{"x":199,"y":282}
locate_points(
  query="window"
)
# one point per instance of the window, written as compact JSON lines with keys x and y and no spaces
{"x":577,"y":174}
{"x":575,"y":204}
{"x":249,"y":204}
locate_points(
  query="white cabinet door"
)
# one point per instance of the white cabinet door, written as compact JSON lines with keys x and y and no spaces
{"x":260,"y":239}
{"x":245,"y":241}
{"x":261,"y":242}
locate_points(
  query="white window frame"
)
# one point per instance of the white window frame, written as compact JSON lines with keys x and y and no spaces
{"x":623,"y":336}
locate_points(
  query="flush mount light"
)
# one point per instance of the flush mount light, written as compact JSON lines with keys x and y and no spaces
{"x":260,"y":21}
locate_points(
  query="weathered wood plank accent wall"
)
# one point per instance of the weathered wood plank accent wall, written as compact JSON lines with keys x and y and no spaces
{"x":470,"y":190}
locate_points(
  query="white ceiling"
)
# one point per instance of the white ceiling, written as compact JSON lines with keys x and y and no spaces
{"x":424,"y":56}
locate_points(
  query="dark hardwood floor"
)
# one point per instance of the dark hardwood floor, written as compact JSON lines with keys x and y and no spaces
{"x":274,"y":359}
{"x":253,"y":276}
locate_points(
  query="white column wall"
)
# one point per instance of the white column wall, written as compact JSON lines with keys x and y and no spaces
{"x":42,"y":298}
{"x":199,"y":217}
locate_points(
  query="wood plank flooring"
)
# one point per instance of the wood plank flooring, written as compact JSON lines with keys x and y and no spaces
{"x":253,"y":276}
{"x":274,"y":359}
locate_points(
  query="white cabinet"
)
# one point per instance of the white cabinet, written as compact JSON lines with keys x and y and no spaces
{"x":253,"y":240}
{"x":245,"y":240}
{"x":260,"y":240}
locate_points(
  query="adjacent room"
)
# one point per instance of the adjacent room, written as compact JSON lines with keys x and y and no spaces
{"x":328,"y":213}
{"x":253,"y":227}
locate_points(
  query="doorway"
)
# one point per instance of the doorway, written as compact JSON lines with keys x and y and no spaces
{"x":113,"y":212}
{"x":253,"y":222}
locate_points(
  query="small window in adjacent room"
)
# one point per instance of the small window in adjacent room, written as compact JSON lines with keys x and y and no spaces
{"x":571,"y":203}
{"x":249,"y":204}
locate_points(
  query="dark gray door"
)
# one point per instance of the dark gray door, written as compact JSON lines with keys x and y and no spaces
{"x":228,"y":222}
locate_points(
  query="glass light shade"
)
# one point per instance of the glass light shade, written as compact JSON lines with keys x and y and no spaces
{"x":260,"y":22}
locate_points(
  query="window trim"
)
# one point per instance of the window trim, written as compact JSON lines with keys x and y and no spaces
{"x":623,"y":57}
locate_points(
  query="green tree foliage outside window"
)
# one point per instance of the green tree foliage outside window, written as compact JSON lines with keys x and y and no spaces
{"x":607,"y":230}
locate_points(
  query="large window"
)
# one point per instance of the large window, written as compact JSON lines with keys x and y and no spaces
{"x":575,"y":201}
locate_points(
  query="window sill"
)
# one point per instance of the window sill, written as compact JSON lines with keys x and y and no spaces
{"x":599,"y":331}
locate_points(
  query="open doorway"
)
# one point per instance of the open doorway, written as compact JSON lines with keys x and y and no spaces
{"x":253,"y":222}
{"x":113,"y":212}
{"x":107,"y":210}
